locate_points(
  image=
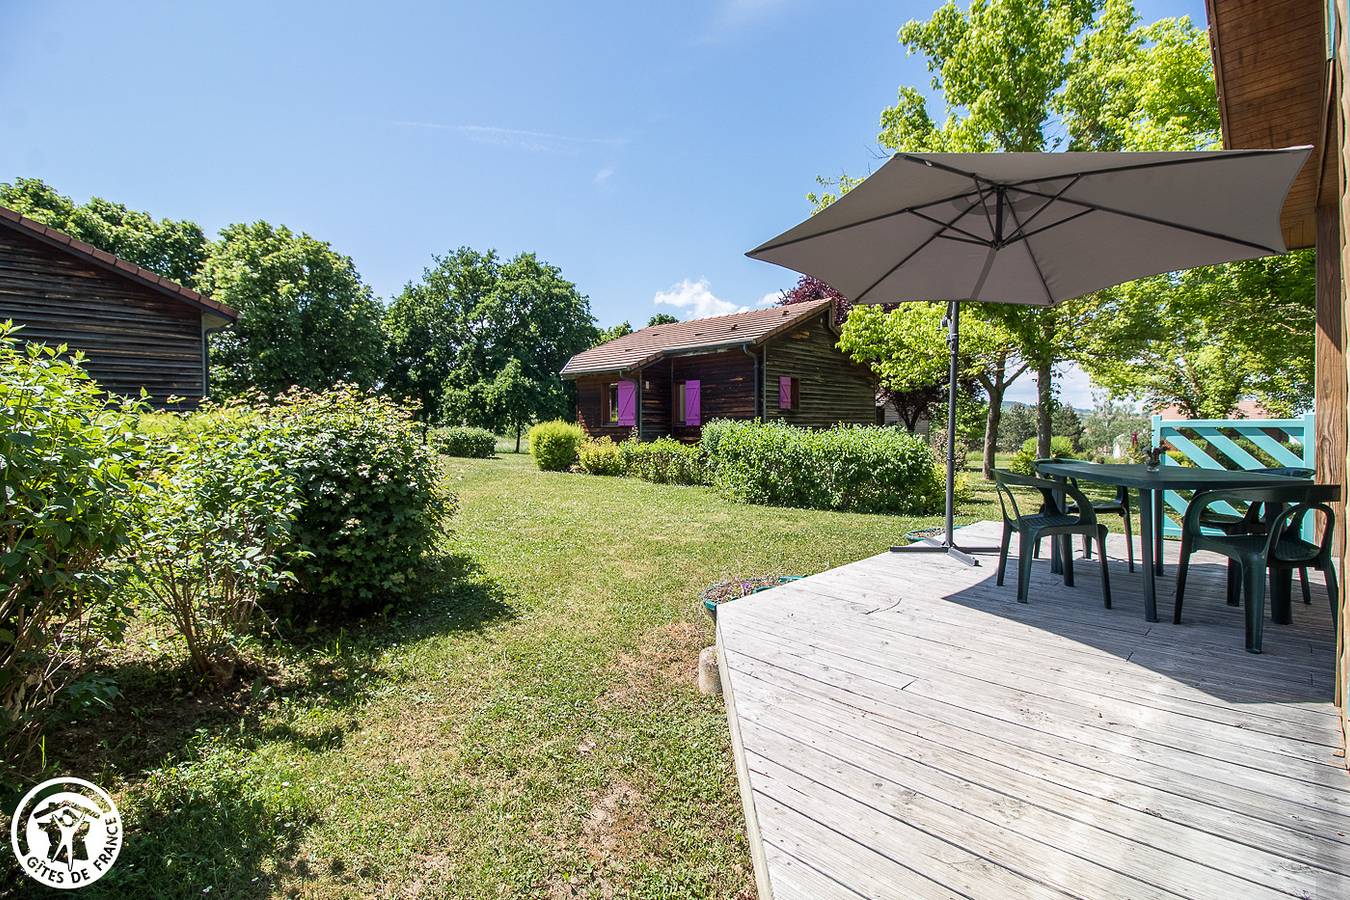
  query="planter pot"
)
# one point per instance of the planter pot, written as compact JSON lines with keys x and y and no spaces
{"x":723,"y":591}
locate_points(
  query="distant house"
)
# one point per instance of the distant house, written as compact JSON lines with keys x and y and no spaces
{"x":135,"y":328}
{"x":776,"y":363}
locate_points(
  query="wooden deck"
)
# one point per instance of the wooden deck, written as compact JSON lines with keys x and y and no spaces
{"x":903,"y":728}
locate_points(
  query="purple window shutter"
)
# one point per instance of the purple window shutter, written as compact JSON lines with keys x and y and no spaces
{"x":785,"y":392}
{"x":693,"y":404}
{"x":627,"y":403}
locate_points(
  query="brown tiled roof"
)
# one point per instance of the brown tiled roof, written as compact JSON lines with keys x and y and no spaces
{"x":642,"y":348}
{"x":114,"y":264}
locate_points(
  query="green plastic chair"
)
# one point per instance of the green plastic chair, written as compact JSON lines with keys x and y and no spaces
{"x":1120,"y":506}
{"x":1280,"y":548}
{"x":1053,"y":522}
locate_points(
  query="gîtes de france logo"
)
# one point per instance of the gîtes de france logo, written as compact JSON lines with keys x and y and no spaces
{"x":66,"y":833}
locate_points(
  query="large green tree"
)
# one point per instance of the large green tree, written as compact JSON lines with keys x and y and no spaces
{"x":305,"y":316}
{"x":454,"y":332}
{"x":1041,"y":75}
{"x":174,"y":248}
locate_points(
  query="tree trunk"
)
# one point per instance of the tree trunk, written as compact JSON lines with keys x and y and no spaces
{"x":994,"y":388}
{"x":1045,"y":402}
{"x":517,"y":437}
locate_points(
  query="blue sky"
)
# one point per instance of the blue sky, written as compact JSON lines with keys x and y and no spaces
{"x":643,"y":148}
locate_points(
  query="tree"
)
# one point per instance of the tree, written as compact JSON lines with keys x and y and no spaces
{"x":661,"y":319}
{"x":605,"y":335}
{"x":305,"y":316}
{"x":1067,"y":423}
{"x":515,"y":397}
{"x":1033,"y":75}
{"x":1018,"y":424}
{"x":175,"y":249}
{"x":1109,"y":420}
{"x":456,"y":330}
{"x":810,"y":289}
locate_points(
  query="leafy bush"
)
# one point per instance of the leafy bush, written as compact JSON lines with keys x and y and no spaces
{"x":372,"y":501}
{"x":663,"y":461}
{"x":208,"y":539}
{"x":600,"y":456}
{"x":461,"y":440}
{"x":69,"y":458}
{"x":857,"y":468}
{"x":1024,"y":460}
{"x":554,"y":445}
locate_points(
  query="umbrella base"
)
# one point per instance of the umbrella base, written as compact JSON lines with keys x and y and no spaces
{"x":938,"y":545}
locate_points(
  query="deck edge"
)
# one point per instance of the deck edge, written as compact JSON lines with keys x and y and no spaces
{"x":752,"y":834}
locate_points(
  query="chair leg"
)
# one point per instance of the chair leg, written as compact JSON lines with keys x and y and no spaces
{"x":1003,"y":553}
{"x":1024,"y":557}
{"x":1106,"y":571}
{"x":1129,"y":535}
{"x":1087,"y":546}
{"x":1182,"y":568}
{"x":1254,"y":601}
{"x":1233,"y":587}
{"x":1037,"y":547}
{"x":1066,"y":541}
{"x":1303,"y":579}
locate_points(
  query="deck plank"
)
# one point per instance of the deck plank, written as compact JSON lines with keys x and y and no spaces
{"x":902,"y":727}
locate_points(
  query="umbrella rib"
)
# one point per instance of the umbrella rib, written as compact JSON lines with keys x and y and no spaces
{"x":1035,"y":263}
{"x":1022,"y":236}
{"x":1046,"y":205}
{"x":932,"y":237}
{"x":1157,"y":164}
{"x":1156,"y":221}
{"x":868,"y":221}
{"x":948,"y":227}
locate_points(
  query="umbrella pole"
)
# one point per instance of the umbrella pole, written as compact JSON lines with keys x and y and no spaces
{"x":948,"y":542}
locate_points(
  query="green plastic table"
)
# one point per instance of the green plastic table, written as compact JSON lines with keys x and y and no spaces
{"x":1151,"y":486}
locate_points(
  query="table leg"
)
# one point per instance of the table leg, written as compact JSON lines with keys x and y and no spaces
{"x":1146,"y":544}
{"x":1159,"y":501}
{"x":1282,"y":588}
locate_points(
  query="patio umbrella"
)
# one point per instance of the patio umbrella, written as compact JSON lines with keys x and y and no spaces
{"x":1035,"y":229}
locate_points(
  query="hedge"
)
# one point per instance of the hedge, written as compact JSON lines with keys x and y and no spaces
{"x":461,"y":440}
{"x":554,"y":445}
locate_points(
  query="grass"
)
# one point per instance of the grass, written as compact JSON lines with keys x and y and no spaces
{"x":529,"y":728}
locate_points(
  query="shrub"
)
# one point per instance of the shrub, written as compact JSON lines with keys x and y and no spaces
{"x":1024,"y":460}
{"x":208,"y":539}
{"x":69,"y":457}
{"x":857,"y":468}
{"x":372,"y":501}
{"x":600,"y":456}
{"x":554,"y":445}
{"x":663,"y":461}
{"x":461,"y":440}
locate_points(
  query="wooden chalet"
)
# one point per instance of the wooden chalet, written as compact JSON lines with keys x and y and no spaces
{"x":137,"y":329}
{"x":1281,"y":68}
{"x":776,"y":363}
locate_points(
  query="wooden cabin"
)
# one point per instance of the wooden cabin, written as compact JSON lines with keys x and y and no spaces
{"x":1281,"y":68}
{"x":137,"y":330}
{"x":776,"y":363}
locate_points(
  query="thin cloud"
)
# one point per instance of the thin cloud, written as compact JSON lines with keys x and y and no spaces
{"x":519,"y":138}
{"x":695,"y":300}
{"x":733,"y":15}
{"x":603,"y":175}
{"x":770,"y":299}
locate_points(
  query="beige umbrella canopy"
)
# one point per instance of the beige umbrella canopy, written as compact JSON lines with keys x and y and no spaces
{"x":1036,"y":229}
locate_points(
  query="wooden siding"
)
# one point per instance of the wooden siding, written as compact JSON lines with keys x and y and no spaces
{"x":902,"y":727}
{"x":133,"y":337}
{"x":591,"y":408}
{"x":727,"y":383}
{"x":655,"y":401}
{"x":832,"y":389}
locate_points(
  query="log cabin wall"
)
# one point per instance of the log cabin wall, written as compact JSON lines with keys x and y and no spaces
{"x":726,"y":387}
{"x":831,"y":388}
{"x":593,"y":407}
{"x":655,"y":394}
{"x":132,"y":336}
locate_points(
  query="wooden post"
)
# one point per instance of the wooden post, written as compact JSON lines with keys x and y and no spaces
{"x":1338,"y":154}
{"x":1329,"y":396}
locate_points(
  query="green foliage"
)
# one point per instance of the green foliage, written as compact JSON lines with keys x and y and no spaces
{"x":554,"y":445}
{"x":1023,"y":461}
{"x":208,"y":539}
{"x":69,"y":459}
{"x":372,"y":501}
{"x":1109,"y":420}
{"x":1066,"y":423}
{"x":605,"y":335}
{"x":856,"y":468}
{"x":174,"y":249}
{"x":462,"y":440}
{"x":662,"y":319}
{"x":305,"y":317}
{"x":453,"y":333}
{"x":663,"y":461}
{"x":600,"y":456}
{"x":1016,"y":425}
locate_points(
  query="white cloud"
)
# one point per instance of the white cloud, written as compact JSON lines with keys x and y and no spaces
{"x":732,"y":15}
{"x":603,"y":175}
{"x":695,"y":300}
{"x":1072,"y":383}
{"x":770,"y":299}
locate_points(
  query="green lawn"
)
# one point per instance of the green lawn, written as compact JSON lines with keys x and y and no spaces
{"x":529,"y":727}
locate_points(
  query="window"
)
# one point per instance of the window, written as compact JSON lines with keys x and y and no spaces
{"x":789,"y":392}
{"x":679,"y":403}
{"x":688,"y":403}
{"x":612,"y":405}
